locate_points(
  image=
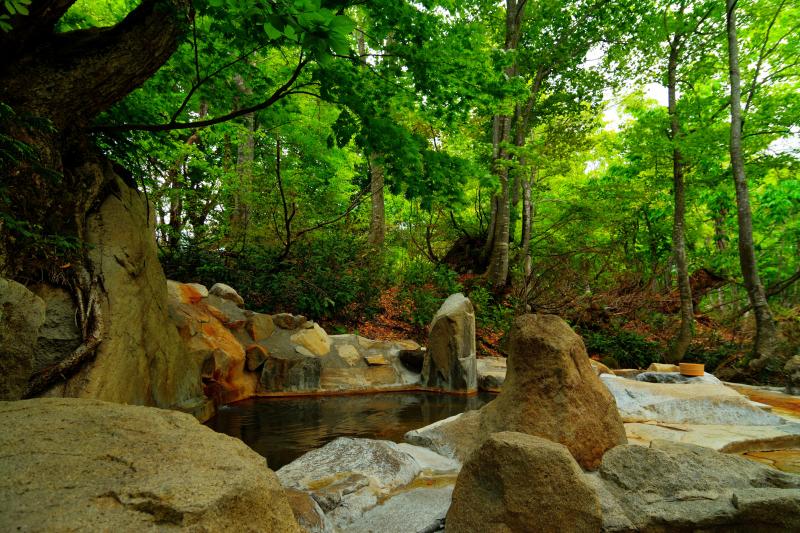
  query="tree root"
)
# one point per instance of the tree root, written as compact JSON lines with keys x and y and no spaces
{"x":92,"y":327}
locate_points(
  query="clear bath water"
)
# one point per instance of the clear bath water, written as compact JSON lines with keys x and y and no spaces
{"x":283,"y":429}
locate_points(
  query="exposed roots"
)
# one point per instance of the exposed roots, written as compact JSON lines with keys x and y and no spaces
{"x":87,"y":291}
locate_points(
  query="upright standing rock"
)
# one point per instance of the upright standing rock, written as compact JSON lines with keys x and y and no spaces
{"x":517,"y":482}
{"x":450,"y":362}
{"x":552,"y":391}
{"x":21,"y":315}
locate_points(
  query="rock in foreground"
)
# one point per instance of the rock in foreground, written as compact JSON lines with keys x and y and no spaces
{"x":552,"y":391}
{"x":517,"y":482}
{"x":80,"y":465}
{"x":680,"y":487}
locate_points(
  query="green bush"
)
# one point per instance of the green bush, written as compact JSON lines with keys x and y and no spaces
{"x":330,"y":277}
{"x":423,"y":288}
{"x":488,"y":312}
{"x":627,"y":349}
{"x":713,"y":357}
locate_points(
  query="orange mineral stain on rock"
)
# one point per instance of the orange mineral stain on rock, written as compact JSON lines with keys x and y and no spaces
{"x":782,"y":404}
{"x":189,"y":294}
{"x":785,"y":460}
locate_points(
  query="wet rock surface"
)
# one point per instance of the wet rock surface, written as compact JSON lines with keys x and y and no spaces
{"x":80,"y":465}
{"x":372,"y":485}
{"x":454,"y":437}
{"x":676,"y":377}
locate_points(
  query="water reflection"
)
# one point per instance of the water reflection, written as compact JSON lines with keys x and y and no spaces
{"x":282,"y":429}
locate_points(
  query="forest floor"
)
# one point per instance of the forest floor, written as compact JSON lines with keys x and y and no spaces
{"x":393,"y":323}
{"x":718,"y":341}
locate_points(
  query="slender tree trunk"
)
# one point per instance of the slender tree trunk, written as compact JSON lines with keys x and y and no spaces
{"x":377,"y":219}
{"x":501,"y":127}
{"x":240,"y":212}
{"x":175,"y":208}
{"x":766,"y":341}
{"x":683,"y":339}
{"x":498,"y":261}
{"x":489,"y":245}
{"x":377,"y":215}
{"x":527,"y":222}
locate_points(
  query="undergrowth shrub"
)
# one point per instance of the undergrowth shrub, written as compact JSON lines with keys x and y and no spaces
{"x":332,"y":276}
{"x":489,"y":312}
{"x":423,"y":288}
{"x":625,"y":348}
{"x":711,"y":357}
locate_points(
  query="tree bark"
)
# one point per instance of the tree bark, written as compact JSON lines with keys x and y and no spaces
{"x":527,"y":222}
{"x":501,"y":128}
{"x":68,"y":79}
{"x":71,"y":77}
{"x":680,"y":343}
{"x":767,"y":340}
{"x":377,"y":215}
{"x":240,"y":210}
{"x":377,"y":219}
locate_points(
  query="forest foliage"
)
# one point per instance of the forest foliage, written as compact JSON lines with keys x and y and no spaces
{"x":261,"y":140}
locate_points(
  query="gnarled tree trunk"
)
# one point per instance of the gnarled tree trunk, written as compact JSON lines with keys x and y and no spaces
{"x":74,"y":191}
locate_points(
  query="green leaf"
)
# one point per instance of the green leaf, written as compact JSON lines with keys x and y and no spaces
{"x":271,"y":31}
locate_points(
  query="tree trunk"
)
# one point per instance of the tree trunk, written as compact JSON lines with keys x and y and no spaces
{"x":377,"y":219}
{"x":766,"y":341}
{"x":72,"y":190}
{"x":240,"y":210}
{"x":680,"y":343}
{"x":501,"y":132}
{"x":489,"y":244}
{"x":377,"y":215}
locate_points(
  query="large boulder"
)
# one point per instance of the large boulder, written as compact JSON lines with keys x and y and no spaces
{"x":685,"y":403}
{"x":450,"y":362}
{"x":22,"y":314}
{"x":141,"y":359}
{"x":347,"y":477}
{"x":518,"y":482}
{"x":381,"y":463}
{"x":681,"y":487}
{"x":79,"y":465}
{"x":552,"y":391}
{"x":792,"y":371}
